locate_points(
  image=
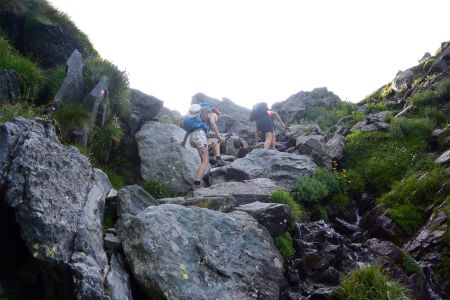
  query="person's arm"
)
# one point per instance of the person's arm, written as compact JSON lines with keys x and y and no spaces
{"x":277,"y":116}
{"x":183,"y":142}
{"x":212,"y":122}
{"x":256,"y":136}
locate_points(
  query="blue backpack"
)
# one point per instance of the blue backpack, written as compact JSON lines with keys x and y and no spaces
{"x":192,"y":124}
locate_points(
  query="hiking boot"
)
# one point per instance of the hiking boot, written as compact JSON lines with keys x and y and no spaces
{"x":221,"y":162}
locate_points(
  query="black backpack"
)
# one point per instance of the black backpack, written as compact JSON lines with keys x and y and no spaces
{"x":258,"y":110}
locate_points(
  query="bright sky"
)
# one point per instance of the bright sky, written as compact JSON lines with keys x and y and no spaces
{"x":260,"y":50}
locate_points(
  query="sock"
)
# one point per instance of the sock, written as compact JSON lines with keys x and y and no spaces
{"x":197,"y":182}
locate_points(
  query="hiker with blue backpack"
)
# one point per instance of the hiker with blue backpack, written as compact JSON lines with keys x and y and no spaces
{"x":197,"y":124}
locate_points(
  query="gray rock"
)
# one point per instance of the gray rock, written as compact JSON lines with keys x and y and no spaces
{"x":94,"y":102}
{"x":179,"y":252}
{"x":403,"y":80}
{"x":314,"y":146}
{"x":163,"y":158}
{"x":225,"y":203}
{"x":283,"y":168}
{"x":133,"y":199}
{"x":335,"y":146}
{"x":244,"y":192}
{"x":295,"y":131}
{"x":166,"y":115}
{"x":273,"y":216}
{"x":444,"y":158}
{"x":145,"y":107}
{"x":10,"y":84}
{"x":296,"y":106}
{"x":234,"y":118}
{"x":72,"y":87}
{"x":379,"y":225}
{"x":117,"y":281}
{"x":58,"y":199}
{"x":112,"y":241}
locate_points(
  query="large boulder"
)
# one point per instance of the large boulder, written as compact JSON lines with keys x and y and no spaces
{"x":133,"y":199}
{"x":403,"y":80}
{"x":247,"y":191}
{"x":235,"y":118}
{"x":145,"y":107}
{"x":163,"y":158}
{"x":72,"y":87}
{"x":297,"y":105}
{"x":58,"y":200}
{"x":283,"y":168}
{"x":178,"y":252}
{"x":10,"y":83}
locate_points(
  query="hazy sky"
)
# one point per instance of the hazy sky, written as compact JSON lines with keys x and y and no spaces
{"x":260,"y":50}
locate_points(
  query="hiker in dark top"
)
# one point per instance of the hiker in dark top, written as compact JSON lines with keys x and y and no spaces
{"x":197,"y":124}
{"x":265,"y":124}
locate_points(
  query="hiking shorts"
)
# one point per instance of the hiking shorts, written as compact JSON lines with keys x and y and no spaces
{"x":198,"y":139}
{"x":265,"y":124}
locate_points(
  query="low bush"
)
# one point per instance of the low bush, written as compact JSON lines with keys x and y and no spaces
{"x":309,"y":190}
{"x":443,"y":266}
{"x":371,"y":283}
{"x":409,"y":217}
{"x":104,"y":141}
{"x":282,"y":196}
{"x":410,"y":265}
{"x":159,"y":190}
{"x":404,"y":128}
{"x":285,"y":246}
{"x":70,"y":116}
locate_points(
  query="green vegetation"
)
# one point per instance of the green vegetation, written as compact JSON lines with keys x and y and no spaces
{"x":370,"y":283}
{"x":282,"y":196}
{"x":326,"y":117}
{"x":159,"y":190}
{"x":23,"y":109}
{"x":118,"y":83}
{"x":285,"y":246}
{"x":70,"y":116}
{"x":31,"y":76}
{"x":53,"y":79}
{"x":410,"y":265}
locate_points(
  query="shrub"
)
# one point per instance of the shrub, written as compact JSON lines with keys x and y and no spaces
{"x":309,"y":190}
{"x":371,"y":283}
{"x":443,"y":266}
{"x":329,"y":179}
{"x":119,"y":91}
{"x":375,"y":107}
{"x":410,"y":265}
{"x":31,"y":76}
{"x":424,"y":98}
{"x":409,"y":217}
{"x":351,"y":182}
{"x":339,"y":201}
{"x":159,"y":190}
{"x":285,"y":246}
{"x":104,"y":140}
{"x":282,"y":196}
{"x":70,"y":116}
{"x":403,"y":128}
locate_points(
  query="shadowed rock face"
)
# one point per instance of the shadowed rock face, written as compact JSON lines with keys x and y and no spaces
{"x":178,"y":252}
{"x":58,"y":201}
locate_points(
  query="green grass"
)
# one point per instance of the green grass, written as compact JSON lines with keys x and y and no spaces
{"x":285,"y":246}
{"x":30,"y":74}
{"x":410,"y":265}
{"x":282,"y":196}
{"x":70,"y":116}
{"x":443,"y":266}
{"x":370,"y":283}
{"x":119,"y":90}
{"x":159,"y":190}
{"x":22,"y":109}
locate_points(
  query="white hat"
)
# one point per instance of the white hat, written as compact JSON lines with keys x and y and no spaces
{"x":194,"y":110}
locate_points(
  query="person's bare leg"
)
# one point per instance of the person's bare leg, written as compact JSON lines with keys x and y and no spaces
{"x":268,"y":140}
{"x":274,"y":141}
{"x":216,"y":146}
{"x":204,"y":157}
